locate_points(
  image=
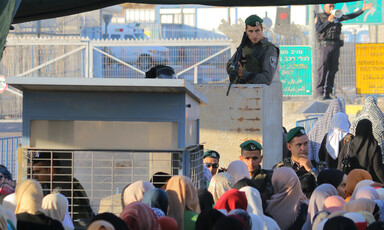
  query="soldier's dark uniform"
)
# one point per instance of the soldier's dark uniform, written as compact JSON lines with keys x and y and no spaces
{"x":328,"y":34}
{"x":261,"y":60}
{"x":308,"y":180}
{"x":263,"y":180}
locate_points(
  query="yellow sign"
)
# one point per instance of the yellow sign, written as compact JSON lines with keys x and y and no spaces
{"x":370,"y":68}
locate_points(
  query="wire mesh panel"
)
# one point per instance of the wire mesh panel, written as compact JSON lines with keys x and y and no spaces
{"x":93,"y":180}
{"x":196,"y":166}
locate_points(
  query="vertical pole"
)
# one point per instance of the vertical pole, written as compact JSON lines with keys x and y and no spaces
{"x":195,"y":75}
{"x":312,"y":43}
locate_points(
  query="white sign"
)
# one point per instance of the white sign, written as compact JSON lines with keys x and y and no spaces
{"x":3,"y":84}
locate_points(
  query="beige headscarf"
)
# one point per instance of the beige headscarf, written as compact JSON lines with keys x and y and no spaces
{"x":29,"y":196}
{"x":99,"y":224}
{"x":283,"y":205}
{"x":135,"y":191}
{"x":362,"y":204}
{"x":220,"y":183}
{"x":238,"y":170}
{"x":55,"y":205}
{"x":181,"y":196}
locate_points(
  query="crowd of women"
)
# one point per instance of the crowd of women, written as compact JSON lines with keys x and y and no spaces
{"x":349,"y":195}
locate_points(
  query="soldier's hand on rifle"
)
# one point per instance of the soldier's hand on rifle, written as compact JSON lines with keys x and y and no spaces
{"x":366,"y":6}
{"x":240,"y":70}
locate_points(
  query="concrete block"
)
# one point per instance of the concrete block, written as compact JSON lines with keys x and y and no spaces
{"x":249,"y":112}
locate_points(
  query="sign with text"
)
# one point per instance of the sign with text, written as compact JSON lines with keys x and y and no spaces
{"x":371,"y":16}
{"x":296,"y":70}
{"x":370,"y":68}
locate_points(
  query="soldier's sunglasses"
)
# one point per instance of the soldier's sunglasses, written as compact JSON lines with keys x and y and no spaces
{"x":215,"y":165}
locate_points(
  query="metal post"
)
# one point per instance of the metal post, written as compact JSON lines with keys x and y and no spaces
{"x":312,"y":43}
{"x":195,"y":75}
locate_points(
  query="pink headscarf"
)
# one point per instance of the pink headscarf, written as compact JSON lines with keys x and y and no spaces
{"x":284,"y":204}
{"x":333,"y":204}
{"x":139,"y":216}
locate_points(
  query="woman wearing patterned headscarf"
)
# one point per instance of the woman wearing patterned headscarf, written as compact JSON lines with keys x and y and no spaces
{"x":364,"y":152}
{"x":288,"y":206}
{"x":322,"y":127}
{"x":373,"y":113}
{"x":183,"y":202}
{"x":329,"y":149}
{"x":220,"y":183}
{"x":29,"y":214}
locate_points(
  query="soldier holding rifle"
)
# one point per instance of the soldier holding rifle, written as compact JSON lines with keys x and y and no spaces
{"x":258,"y":61}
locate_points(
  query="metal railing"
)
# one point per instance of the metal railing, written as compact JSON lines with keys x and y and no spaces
{"x":8,"y":153}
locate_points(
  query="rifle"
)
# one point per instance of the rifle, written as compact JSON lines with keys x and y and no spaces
{"x":234,"y":67}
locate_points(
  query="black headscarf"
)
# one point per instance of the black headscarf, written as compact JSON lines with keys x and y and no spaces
{"x":228,"y":223}
{"x":330,"y":176}
{"x":365,"y":152}
{"x":205,"y":199}
{"x":339,"y":223}
{"x":377,"y":225}
{"x":364,"y":144}
{"x":156,"y":198}
{"x":245,"y":182}
{"x":208,"y":218}
{"x":117,"y":223}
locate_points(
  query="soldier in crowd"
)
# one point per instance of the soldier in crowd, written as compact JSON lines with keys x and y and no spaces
{"x":211,"y":159}
{"x":297,"y":143}
{"x":252,"y":156}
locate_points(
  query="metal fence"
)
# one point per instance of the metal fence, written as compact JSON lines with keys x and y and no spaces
{"x":8,"y":153}
{"x":103,"y":174}
{"x":195,"y":60}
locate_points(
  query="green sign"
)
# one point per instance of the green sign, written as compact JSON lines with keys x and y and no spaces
{"x":371,"y":16}
{"x":296,"y":70}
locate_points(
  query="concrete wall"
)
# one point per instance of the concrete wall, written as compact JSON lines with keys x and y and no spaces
{"x":249,"y":112}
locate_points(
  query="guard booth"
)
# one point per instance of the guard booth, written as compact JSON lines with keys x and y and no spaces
{"x":90,"y":138}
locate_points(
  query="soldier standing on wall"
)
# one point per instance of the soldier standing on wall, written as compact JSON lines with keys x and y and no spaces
{"x":328,"y":30}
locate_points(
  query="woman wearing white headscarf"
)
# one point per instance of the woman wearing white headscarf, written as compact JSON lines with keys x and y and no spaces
{"x":255,"y":207}
{"x":329,"y":150}
{"x":55,"y":205}
{"x":29,"y":213}
{"x":322,"y":127}
{"x":239,"y":170}
{"x":220,"y":183}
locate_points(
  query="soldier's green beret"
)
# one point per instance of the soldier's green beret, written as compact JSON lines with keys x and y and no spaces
{"x":253,"y":20}
{"x":212,"y":154}
{"x":295,"y":132}
{"x":251,"y":145}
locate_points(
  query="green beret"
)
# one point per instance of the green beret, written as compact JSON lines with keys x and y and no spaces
{"x":212,"y":154}
{"x":295,"y":132}
{"x":253,"y":20}
{"x":251,"y":145}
